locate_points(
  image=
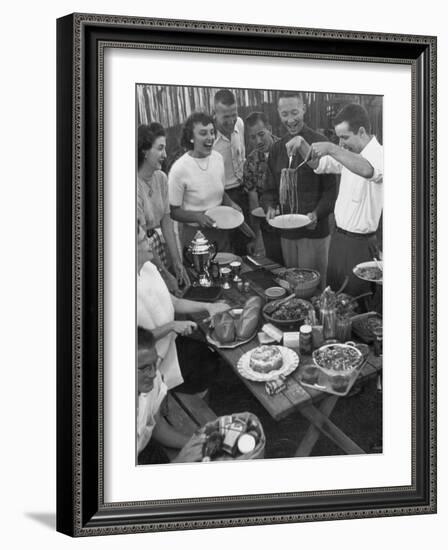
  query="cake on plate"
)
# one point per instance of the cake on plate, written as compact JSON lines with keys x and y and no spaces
{"x":265,"y":359}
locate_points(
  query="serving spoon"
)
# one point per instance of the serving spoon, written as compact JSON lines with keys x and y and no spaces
{"x":302,"y":163}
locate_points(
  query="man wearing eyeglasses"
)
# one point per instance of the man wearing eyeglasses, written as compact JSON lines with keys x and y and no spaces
{"x":153,"y":431}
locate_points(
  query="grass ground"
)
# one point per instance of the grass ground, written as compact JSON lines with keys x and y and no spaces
{"x":359,"y":416}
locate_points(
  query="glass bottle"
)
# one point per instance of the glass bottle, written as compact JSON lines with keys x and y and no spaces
{"x":306,"y":340}
{"x":328,"y":314}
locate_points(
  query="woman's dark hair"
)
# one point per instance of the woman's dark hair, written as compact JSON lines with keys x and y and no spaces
{"x":187,"y":130}
{"x":355,"y":115}
{"x":147,"y":134}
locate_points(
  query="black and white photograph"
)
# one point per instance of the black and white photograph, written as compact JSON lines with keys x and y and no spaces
{"x":259,"y":273}
{"x":246,"y":310}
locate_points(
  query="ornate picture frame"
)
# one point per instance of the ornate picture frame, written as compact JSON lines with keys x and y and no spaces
{"x":81,"y":42}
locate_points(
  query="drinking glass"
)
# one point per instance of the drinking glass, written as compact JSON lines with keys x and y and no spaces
{"x":343,"y":328}
{"x":225,"y":275}
{"x":236,"y":268}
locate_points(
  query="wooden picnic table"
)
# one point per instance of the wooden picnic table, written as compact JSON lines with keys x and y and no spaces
{"x":316,"y":406}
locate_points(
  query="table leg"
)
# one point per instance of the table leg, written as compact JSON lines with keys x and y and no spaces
{"x":313,"y":433}
{"x":335,"y":434}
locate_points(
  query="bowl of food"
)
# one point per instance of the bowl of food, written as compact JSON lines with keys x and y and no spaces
{"x":288,"y":313}
{"x":370,"y":271}
{"x":365,"y":325}
{"x":303,"y":282}
{"x":338,"y":362}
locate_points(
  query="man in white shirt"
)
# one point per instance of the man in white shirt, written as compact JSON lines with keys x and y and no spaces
{"x":229,"y":138}
{"x":230,"y":143}
{"x":358,"y":208}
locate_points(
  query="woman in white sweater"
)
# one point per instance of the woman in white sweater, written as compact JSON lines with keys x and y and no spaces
{"x":196,"y":183}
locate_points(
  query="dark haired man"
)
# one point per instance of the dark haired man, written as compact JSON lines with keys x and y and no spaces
{"x":260,"y":139}
{"x":358,"y":209}
{"x":308,"y":246}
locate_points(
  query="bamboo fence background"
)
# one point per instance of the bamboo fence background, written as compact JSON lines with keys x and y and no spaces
{"x":171,"y":105}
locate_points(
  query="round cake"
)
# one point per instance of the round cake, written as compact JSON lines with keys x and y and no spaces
{"x":265,"y":359}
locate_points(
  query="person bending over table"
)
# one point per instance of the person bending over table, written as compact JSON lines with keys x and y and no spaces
{"x":153,"y":209}
{"x":196,"y":183}
{"x":153,"y":431}
{"x":359,"y":205}
{"x":156,"y":310}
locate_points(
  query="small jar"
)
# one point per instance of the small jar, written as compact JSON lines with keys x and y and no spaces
{"x":306,"y":339}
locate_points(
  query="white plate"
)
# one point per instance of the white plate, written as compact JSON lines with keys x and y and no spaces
{"x":368,"y":264}
{"x":290,"y":221}
{"x":290,"y":363}
{"x":225,"y":217}
{"x":258,"y":212}
{"x":225,"y":258}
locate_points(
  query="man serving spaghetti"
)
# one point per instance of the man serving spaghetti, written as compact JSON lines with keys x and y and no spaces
{"x":304,"y":192}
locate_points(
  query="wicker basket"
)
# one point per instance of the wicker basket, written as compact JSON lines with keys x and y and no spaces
{"x":258,"y":452}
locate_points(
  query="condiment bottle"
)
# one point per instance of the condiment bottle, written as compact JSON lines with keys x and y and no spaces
{"x":306,"y":339}
{"x":378,"y":342}
{"x":328,"y":314}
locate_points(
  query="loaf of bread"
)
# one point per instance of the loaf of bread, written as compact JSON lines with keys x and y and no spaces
{"x":246,"y":325}
{"x":224,"y":331}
